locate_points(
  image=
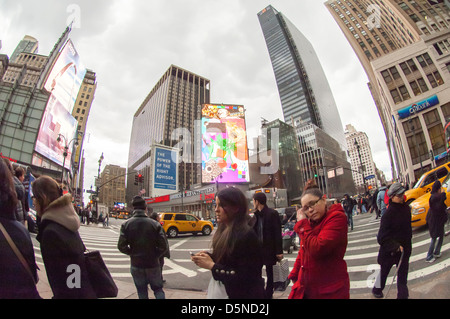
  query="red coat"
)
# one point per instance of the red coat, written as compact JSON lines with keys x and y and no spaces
{"x":320,"y":270}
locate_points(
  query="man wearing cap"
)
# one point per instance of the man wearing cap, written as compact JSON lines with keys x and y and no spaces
{"x":142,"y":238}
{"x":394,"y":238}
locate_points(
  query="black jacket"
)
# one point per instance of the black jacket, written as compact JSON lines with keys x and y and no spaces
{"x":241,"y":272}
{"x":15,"y":282}
{"x":437,"y":215}
{"x":143,"y":239}
{"x":395,"y":231}
{"x":272,"y":242}
{"x":61,"y":249}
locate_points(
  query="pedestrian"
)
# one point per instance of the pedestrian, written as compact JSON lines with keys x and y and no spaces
{"x":17,"y":280}
{"x":143,"y":239}
{"x":374,"y":204}
{"x":436,"y":219}
{"x":237,"y":257}
{"x":61,"y":246}
{"x":348,"y":205}
{"x":380,"y":200}
{"x":166,"y":253}
{"x":320,"y":271}
{"x":20,"y":192}
{"x":394,"y":238}
{"x":267,"y":225}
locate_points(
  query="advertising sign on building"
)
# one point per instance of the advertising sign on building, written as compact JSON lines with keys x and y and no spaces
{"x":63,"y":83}
{"x":418,"y":107}
{"x":224,"y":144}
{"x":165,"y":170}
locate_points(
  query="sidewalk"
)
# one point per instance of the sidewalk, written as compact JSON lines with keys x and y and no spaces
{"x":439,"y":288}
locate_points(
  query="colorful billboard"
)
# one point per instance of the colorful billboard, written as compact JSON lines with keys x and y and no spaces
{"x":165,"y":170}
{"x":63,"y":82}
{"x":224,"y":144}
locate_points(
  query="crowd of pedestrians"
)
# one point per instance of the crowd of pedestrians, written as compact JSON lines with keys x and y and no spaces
{"x":242,"y":246}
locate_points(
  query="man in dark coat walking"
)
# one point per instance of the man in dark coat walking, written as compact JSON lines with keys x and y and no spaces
{"x":267,"y":226}
{"x":395,"y":239}
{"x":436,"y":219}
{"x":143,"y":239}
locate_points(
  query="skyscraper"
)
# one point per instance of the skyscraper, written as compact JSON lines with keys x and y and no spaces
{"x":304,"y":91}
{"x":169,"y":110}
{"x":403,"y":47}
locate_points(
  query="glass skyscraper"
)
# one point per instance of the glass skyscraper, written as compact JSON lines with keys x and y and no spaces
{"x":305,"y":94}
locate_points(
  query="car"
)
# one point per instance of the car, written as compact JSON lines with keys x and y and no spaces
{"x":182,"y":223}
{"x":419,"y":207}
{"x":426,"y":181}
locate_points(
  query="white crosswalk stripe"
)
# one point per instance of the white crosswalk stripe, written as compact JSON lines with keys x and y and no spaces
{"x":361,"y":255}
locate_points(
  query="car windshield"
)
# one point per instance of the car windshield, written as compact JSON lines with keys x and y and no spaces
{"x":419,"y":182}
{"x":446,"y":182}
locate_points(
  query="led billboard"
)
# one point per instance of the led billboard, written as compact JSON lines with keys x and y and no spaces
{"x":224,"y":144}
{"x":63,"y":82}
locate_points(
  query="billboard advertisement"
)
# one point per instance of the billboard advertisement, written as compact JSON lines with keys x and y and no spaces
{"x":63,"y":82}
{"x":165,"y":170}
{"x":224,"y":144}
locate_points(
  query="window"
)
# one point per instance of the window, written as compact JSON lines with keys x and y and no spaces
{"x":168,"y":216}
{"x":396,"y":96}
{"x":404,"y":92}
{"x":387,"y":76}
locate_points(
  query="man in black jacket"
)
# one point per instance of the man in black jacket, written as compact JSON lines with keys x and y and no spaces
{"x":267,"y":226}
{"x":142,"y":238}
{"x":395,"y":239}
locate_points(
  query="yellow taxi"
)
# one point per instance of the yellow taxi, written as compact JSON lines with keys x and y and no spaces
{"x":181,"y":223}
{"x":425,"y":182}
{"x":419,"y":207}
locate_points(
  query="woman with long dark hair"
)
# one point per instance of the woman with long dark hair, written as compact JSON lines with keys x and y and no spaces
{"x":17,"y":279}
{"x":61,"y":244}
{"x":236,"y":258}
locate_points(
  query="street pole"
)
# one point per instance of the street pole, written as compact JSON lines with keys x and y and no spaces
{"x":98,"y":180}
{"x":360,"y":161}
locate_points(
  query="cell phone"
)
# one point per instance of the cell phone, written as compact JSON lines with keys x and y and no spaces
{"x":191,"y":253}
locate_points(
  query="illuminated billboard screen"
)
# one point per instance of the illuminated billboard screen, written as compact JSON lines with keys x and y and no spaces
{"x":63,"y":82}
{"x":224,"y":144}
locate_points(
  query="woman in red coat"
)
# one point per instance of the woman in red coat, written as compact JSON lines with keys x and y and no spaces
{"x":320,"y":271}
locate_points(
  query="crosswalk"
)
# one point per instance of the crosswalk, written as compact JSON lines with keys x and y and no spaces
{"x":362,"y":252}
{"x":361,"y":255}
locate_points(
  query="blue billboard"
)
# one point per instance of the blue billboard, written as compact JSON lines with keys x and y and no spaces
{"x":165,"y":170}
{"x":418,"y":107}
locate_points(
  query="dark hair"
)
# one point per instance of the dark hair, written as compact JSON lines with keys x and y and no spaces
{"x":312,"y":188}
{"x":261,"y":198}
{"x":234,"y":203}
{"x":19,"y":171}
{"x":46,"y":187}
{"x":8,"y":196}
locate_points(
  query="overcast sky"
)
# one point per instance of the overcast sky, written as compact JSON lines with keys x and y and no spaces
{"x":131,"y":43}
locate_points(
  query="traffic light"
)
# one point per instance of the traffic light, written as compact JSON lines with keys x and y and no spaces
{"x":136,"y":179}
{"x":140,"y":178}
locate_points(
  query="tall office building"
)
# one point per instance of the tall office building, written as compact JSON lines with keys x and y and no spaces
{"x":403,"y":46}
{"x":168,"y":111}
{"x":114,"y":191}
{"x":304,"y":91}
{"x":363,"y":167}
{"x":27,"y":45}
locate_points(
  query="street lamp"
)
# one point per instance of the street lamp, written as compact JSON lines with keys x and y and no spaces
{"x":66,"y":150}
{"x":98,"y":181}
{"x":358,"y":148}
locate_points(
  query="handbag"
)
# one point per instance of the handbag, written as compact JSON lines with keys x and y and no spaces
{"x":17,"y":253}
{"x":99,"y":275}
{"x":216,"y":290}
{"x":280,"y":275}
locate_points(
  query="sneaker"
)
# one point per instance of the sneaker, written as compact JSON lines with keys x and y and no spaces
{"x":430,"y":260}
{"x":436,"y":255}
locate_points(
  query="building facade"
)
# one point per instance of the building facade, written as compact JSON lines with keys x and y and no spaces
{"x":112,"y":182}
{"x":168,"y":115}
{"x":364,"y":170}
{"x":28,"y":45}
{"x":403,"y":47}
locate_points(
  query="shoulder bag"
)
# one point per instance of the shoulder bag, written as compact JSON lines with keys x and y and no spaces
{"x":17,"y":252}
{"x":99,"y":275}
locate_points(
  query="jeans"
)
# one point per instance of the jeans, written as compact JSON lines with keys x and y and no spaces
{"x":350,"y":220}
{"x":432,"y":248}
{"x":148,"y":276}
